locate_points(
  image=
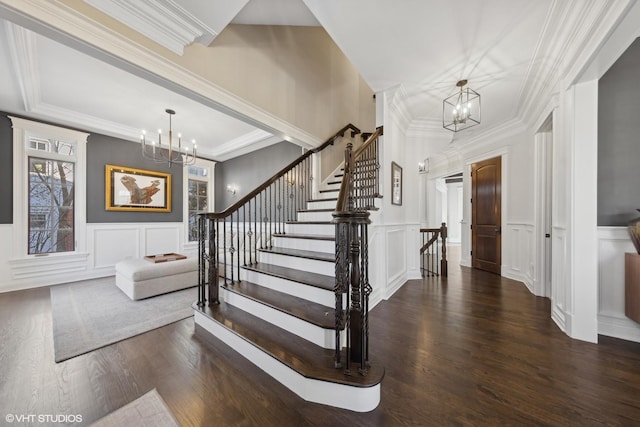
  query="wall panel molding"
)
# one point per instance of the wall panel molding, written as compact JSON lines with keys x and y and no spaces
{"x":613,"y":243}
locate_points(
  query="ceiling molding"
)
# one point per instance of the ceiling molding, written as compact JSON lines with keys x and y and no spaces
{"x":573,"y":31}
{"x":427,"y":127}
{"x":73,"y":118}
{"x":595,"y":30}
{"x":67,"y":26}
{"x":23,"y":49}
{"x":243,"y":144}
{"x":163,"y":21}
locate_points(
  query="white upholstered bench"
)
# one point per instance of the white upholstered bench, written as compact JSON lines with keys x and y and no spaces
{"x":139,"y":278}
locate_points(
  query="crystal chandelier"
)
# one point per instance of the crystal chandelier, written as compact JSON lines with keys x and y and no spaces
{"x":461,"y":110}
{"x":168,"y":153}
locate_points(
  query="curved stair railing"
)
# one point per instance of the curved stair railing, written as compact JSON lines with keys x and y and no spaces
{"x":358,"y":191}
{"x":232,"y":238}
{"x":433,"y":259}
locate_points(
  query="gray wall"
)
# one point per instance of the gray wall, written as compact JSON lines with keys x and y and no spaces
{"x":6,"y":170}
{"x":248,"y":171}
{"x":103,"y":150}
{"x":619,"y":140}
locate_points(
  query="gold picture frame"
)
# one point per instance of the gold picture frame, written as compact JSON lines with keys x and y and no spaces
{"x":130,"y":189}
{"x":396,"y":184}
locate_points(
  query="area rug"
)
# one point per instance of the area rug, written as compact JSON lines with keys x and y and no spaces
{"x":94,"y":313}
{"x":149,"y":410}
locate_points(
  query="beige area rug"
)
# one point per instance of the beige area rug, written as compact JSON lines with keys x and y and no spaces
{"x":91,"y":314}
{"x":149,"y":410}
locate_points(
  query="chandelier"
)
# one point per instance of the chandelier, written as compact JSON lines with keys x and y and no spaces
{"x":461,"y":110}
{"x":168,"y":153}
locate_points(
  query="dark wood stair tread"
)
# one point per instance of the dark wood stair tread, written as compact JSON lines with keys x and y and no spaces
{"x":331,"y":190}
{"x":319,"y":256}
{"x":330,"y":199}
{"x":334,"y":182}
{"x":309,"y":222}
{"x":303,"y":309}
{"x":305,"y":236}
{"x":306,"y":358}
{"x":305,"y":277}
{"x":317,"y":210}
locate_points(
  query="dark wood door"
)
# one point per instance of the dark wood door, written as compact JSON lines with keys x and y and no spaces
{"x":486,"y":242}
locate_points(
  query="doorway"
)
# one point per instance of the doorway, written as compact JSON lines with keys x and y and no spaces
{"x":544,"y":152}
{"x":486,"y":215}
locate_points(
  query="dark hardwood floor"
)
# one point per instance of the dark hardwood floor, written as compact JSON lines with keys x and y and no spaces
{"x":473,"y":349}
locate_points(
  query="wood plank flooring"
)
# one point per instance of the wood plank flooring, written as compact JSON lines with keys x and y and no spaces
{"x":473,"y":349}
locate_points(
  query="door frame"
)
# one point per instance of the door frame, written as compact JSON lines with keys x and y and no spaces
{"x":465,"y":258}
{"x":544,"y":140}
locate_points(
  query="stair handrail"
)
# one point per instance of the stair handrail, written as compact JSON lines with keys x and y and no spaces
{"x":358,"y":191}
{"x":347,"y":189}
{"x":436,"y":234}
{"x":276,"y":200}
{"x":354,"y":131}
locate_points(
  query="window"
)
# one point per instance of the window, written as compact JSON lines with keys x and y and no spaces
{"x":199,"y":190}
{"x":49,"y":207}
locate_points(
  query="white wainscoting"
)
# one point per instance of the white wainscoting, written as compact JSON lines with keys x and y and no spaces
{"x":113,"y":242}
{"x":391,"y":262}
{"x":518,"y":253}
{"x":613,"y":243}
{"x":559,"y":277}
{"x":106,"y":245}
{"x":396,"y":237}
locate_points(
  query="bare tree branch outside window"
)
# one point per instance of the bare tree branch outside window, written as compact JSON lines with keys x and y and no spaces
{"x":51,"y":201}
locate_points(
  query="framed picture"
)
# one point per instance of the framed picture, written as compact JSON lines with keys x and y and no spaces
{"x":129,"y":189}
{"x":396,"y":184}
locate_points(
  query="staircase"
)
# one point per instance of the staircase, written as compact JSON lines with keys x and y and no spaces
{"x":281,"y":306}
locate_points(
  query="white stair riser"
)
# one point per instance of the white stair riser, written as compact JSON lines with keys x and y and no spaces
{"x":317,"y":229}
{"x":315,"y":216}
{"x":359,"y":399}
{"x":310,"y":293}
{"x":322,"y":204}
{"x":319,"y":336}
{"x":327,"y":195}
{"x":306,"y":264}
{"x":327,"y":246}
{"x":327,"y":186}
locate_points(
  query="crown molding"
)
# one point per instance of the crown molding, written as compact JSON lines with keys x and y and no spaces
{"x":427,"y":128}
{"x":598,"y":27}
{"x":23,"y":50}
{"x":243,"y":144}
{"x":488,"y":140}
{"x":163,"y":21}
{"x":572,"y":33}
{"x":67,"y":26}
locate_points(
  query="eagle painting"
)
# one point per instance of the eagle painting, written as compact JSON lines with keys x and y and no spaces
{"x":138,"y":195}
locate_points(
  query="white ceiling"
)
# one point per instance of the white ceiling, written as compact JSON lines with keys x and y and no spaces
{"x":421,"y":46}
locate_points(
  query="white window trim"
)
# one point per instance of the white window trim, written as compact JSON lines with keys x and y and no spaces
{"x":22,"y":264}
{"x":202,"y":163}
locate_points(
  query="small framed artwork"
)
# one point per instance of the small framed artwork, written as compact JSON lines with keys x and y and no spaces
{"x":396,"y":184}
{"x":129,"y":189}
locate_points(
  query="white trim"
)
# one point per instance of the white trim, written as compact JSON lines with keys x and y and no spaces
{"x":65,"y":262}
{"x":359,"y":399}
{"x":65,"y":25}
{"x":210,"y":180}
{"x":164,"y":22}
